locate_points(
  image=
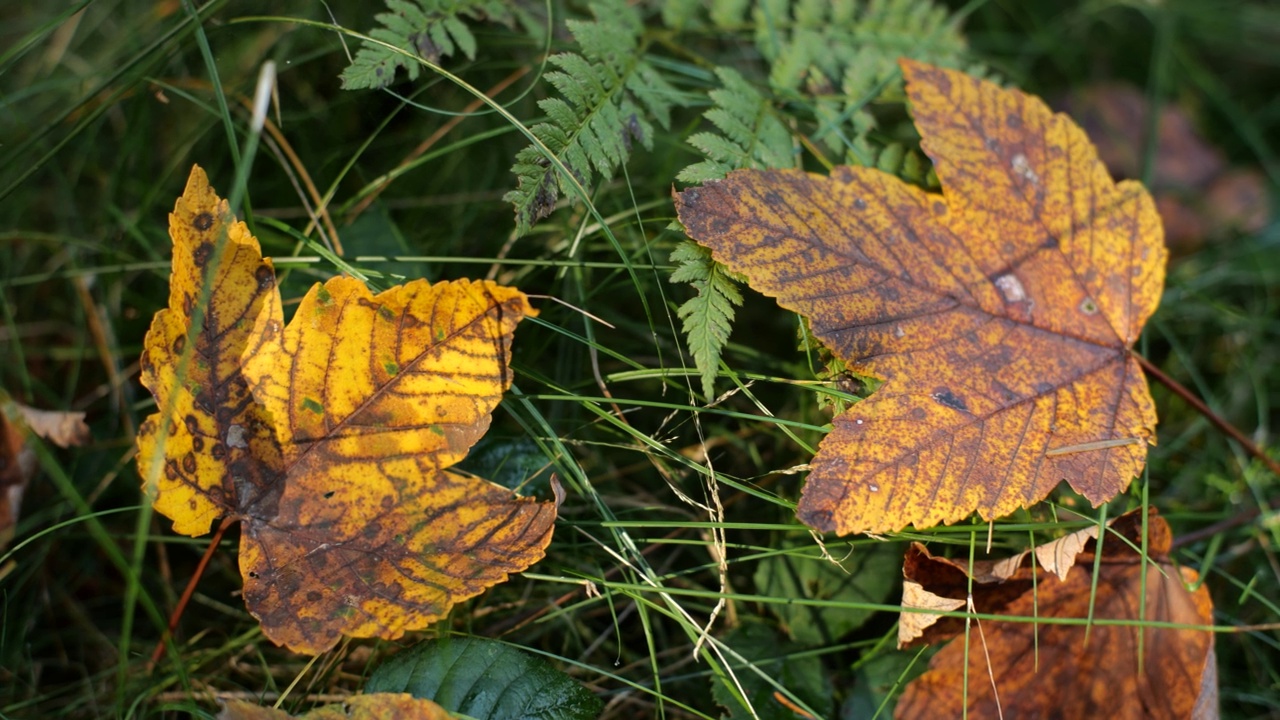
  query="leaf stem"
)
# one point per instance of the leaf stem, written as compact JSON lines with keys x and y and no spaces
{"x":190,"y":589}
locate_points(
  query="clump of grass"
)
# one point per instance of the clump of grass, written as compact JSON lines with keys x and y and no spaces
{"x":679,"y":512}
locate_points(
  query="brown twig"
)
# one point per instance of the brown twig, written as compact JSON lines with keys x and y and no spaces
{"x":1232,"y":432}
{"x":191,"y":589}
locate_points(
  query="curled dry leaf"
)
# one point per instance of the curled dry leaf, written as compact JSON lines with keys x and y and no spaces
{"x":1000,"y":314}
{"x":18,"y":460}
{"x":1047,"y":669}
{"x":330,"y":438}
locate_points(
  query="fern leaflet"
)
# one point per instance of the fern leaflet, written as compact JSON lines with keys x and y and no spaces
{"x":431,"y":29}
{"x":609,"y":94}
{"x":753,"y":136}
{"x":708,"y":316}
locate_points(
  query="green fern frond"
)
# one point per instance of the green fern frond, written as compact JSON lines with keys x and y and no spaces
{"x":837,"y":56}
{"x":708,"y":316}
{"x":752,"y":135}
{"x":610,"y":94}
{"x":431,"y":29}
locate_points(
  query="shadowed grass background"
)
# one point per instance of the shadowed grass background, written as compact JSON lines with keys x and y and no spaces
{"x":105,"y":105}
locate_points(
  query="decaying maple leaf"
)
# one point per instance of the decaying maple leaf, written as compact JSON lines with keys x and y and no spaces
{"x":1000,"y":314}
{"x":330,"y":439}
{"x":1047,"y":669}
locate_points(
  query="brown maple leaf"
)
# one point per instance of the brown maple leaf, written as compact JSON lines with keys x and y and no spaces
{"x":1051,"y":669}
{"x":330,"y":439}
{"x":1000,"y":314}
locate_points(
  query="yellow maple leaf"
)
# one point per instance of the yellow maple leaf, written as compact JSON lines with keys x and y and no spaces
{"x":1001,"y":314}
{"x":330,"y":439}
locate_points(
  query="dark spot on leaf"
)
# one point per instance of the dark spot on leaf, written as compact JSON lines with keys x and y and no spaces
{"x":197,"y":443}
{"x":193,"y":425}
{"x":544,"y":198}
{"x":203,"y":221}
{"x":189,"y":463}
{"x":1043,"y":388}
{"x":329,"y":494}
{"x":940,"y":80}
{"x":427,"y":48}
{"x":633,"y":131}
{"x":859,"y":204}
{"x":289,"y":581}
{"x":179,"y":343}
{"x":201,"y":255}
{"x":218,"y":451}
{"x":314,"y":596}
{"x":266,"y":278}
{"x":818,"y":519}
{"x":939,"y":208}
{"x":949,"y":399}
{"x":171,"y":470}
{"x":917,"y":414}
{"x":1013,"y":121}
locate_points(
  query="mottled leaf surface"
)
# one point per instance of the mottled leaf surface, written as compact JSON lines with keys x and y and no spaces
{"x":1001,"y":314}
{"x":330,"y":438}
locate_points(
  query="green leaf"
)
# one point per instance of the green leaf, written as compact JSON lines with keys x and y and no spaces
{"x":802,"y":676}
{"x":708,"y":316}
{"x":515,"y":463}
{"x":878,"y":679}
{"x":865,"y":577}
{"x":485,"y":680}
